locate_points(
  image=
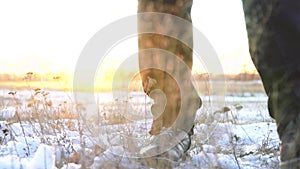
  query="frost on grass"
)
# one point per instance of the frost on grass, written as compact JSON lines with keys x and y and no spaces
{"x":43,"y":135}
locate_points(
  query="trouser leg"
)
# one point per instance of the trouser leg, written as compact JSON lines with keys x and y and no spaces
{"x":274,"y":37}
{"x":158,"y":69}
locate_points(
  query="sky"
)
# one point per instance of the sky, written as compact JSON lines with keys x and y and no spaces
{"x":48,"y":36}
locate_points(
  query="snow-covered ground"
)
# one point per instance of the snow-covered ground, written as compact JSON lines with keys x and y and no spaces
{"x":33,"y":135}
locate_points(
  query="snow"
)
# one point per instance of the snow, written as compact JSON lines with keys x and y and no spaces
{"x":43,"y":158}
{"x":11,"y":161}
{"x":7,"y":113}
{"x":212,"y":160}
{"x":245,"y":136}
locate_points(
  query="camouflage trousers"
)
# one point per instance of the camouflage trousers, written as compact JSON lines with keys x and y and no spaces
{"x":165,"y":60}
{"x":274,"y":36}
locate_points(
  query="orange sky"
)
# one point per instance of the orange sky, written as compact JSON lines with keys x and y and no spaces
{"x":49,"y":36}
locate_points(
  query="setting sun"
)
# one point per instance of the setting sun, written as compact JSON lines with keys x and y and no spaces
{"x":36,"y":39}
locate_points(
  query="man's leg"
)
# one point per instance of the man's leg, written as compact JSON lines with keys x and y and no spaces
{"x":274,"y":37}
{"x":162,"y":85}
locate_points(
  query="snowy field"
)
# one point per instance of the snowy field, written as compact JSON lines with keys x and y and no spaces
{"x":48,"y":129}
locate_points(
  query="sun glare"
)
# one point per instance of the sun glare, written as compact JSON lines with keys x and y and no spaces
{"x":50,"y":47}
